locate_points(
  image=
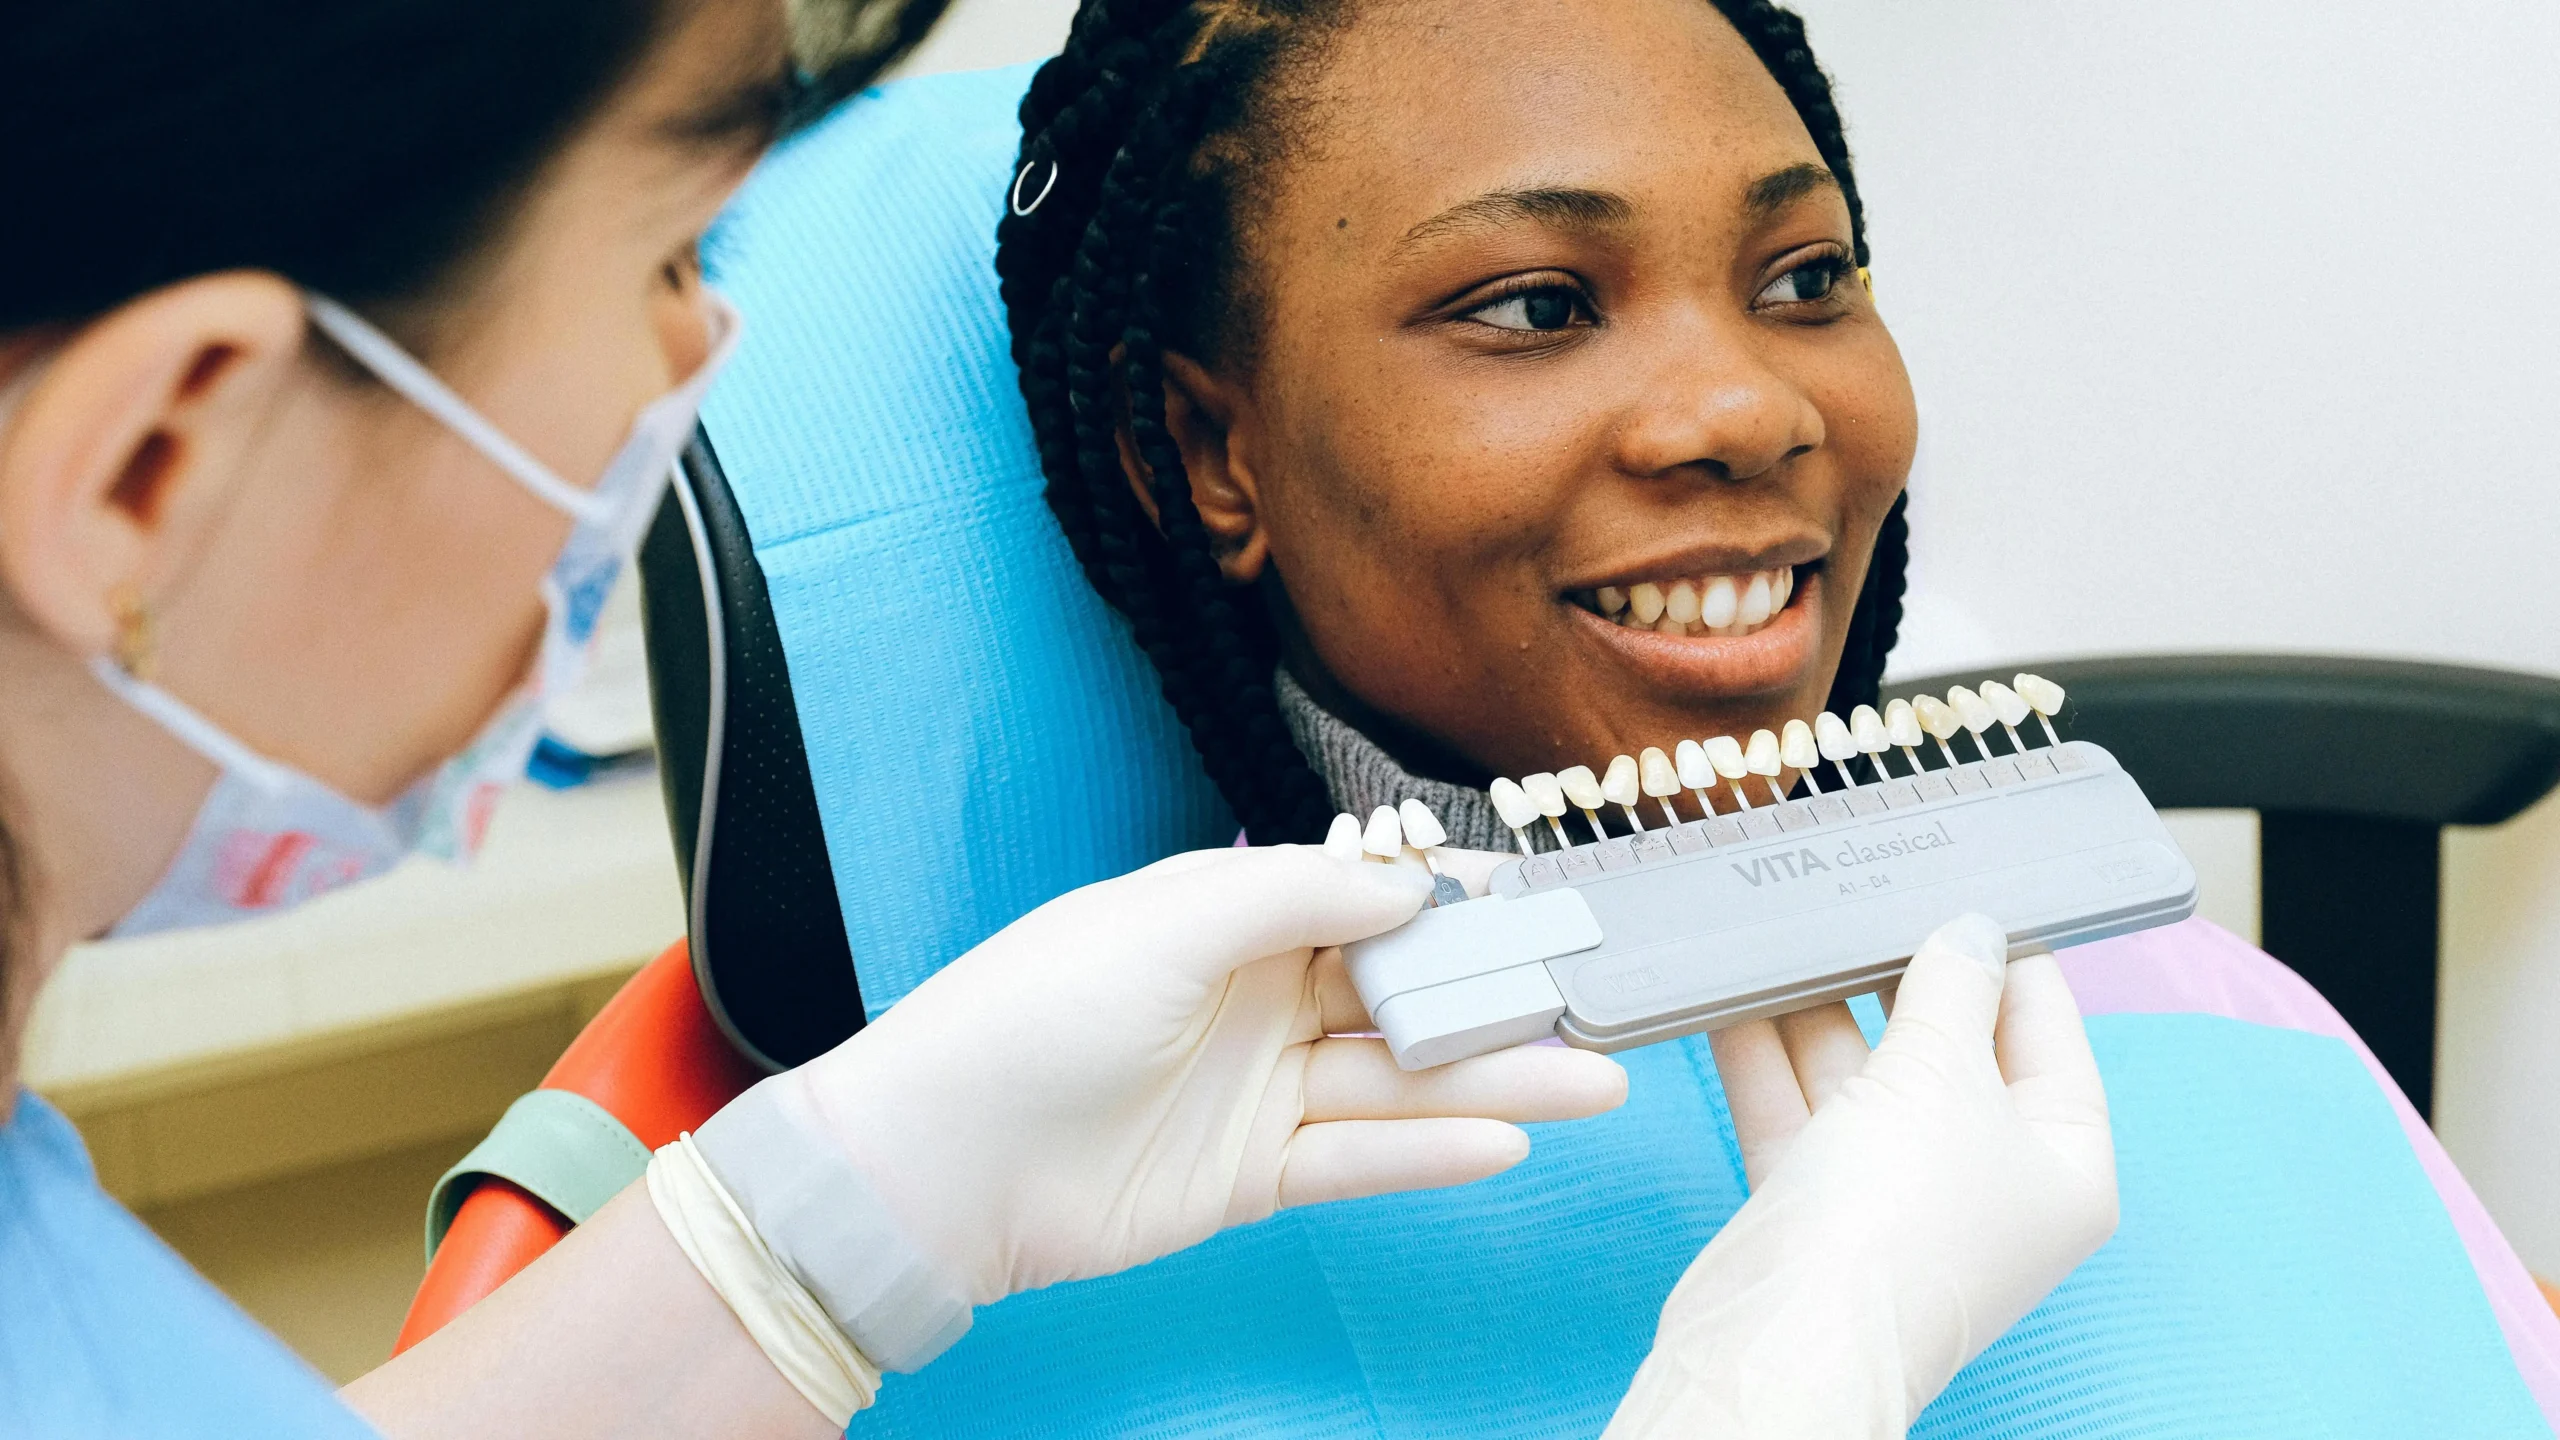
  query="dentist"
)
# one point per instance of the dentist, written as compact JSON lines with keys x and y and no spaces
{"x":345,"y":346}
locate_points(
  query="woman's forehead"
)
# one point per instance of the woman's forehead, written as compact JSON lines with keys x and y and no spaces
{"x":1422,"y":106}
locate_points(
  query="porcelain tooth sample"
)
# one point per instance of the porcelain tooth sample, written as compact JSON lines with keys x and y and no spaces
{"x":1583,"y":789}
{"x":1385,"y":836}
{"x":1939,"y":721}
{"x":2011,"y":711}
{"x":1875,"y":736}
{"x":2043,"y":697}
{"x":1838,"y":744}
{"x":1902,"y":727}
{"x":1342,"y":842}
{"x":1645,"y":603}
{"x":1721,"y":602}
{"x":1623,"y":789}
{"x":1424,"y":832}
{"x":1660,"y":780}
{"x":1698,"y":773}
{"x":1760,"y":757}
{"x":1511,"y":803}
{"x":1725,"y":753}
{"x":1797,"y":748}
{"x":1546,"y":792}
{"x":1973,"y":714}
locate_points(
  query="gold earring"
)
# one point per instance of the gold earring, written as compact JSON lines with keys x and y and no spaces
{"x":135,"y":643}
{"x":1867,"y":278}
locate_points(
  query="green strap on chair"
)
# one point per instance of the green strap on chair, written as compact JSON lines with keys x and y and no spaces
{"x":561,"y":1147}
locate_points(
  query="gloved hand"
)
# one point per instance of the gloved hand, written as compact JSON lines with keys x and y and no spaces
{"x":1136,"y":1064}
{"x":1907,"y":1206}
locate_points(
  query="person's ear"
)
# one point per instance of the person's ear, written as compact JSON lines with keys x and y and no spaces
{"x":122,"y":458}
{"x":1201,"y":414}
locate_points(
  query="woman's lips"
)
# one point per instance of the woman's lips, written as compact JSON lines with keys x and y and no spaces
{"x":1773,"y":657}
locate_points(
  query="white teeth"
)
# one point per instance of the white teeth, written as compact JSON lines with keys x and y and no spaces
{"x":1682,"y":603}
{"x":1654,"y":769}
{"x":1545,"y":792}
{"x":1725,"y":753}
{"x":1760,"y":757}
{"x":1755,"y":601}
{"x":1513,"y":803}
{"x":1722,"y":602}
{"x":1935,"y":717}
{"x":1619,"y":786}
{"x":1901,"y":724}
{"x":2041,"y":695}
{"x":1797,"y":746}
{"x":2045,"y":698}
{"x":1611,"y":598}
{"x":1645,"y":602}
{"x":1971,"y":712}
{"x":1783,"y":586}
{"x":1581,"y":787}
{"x":1695,"y":768}
{"x":1342,"y":842}
{"x":2004,"y":702}
{"x":1385,"y":835}
{"x":1422,"y":829}
{"x":1833,"y":736}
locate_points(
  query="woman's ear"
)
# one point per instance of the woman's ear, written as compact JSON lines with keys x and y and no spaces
{"x":118,"y":462}
{"x":1201,"y":413}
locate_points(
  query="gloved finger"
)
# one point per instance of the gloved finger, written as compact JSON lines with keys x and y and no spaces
{"x":1952,"y":989}
{"x":1825,"y":1046}
{"x":1338,"y":1002}
{"x":1346,"y":1159}
{"x":1218,"y":910}
{"x":1358,"y":1080}
{"x":1760,"y":1093}
{"x":2053,"y":1077}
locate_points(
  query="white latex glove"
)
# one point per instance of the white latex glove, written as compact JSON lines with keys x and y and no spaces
{"x":1137,"y":1064}
{"x":1907,"y":1206}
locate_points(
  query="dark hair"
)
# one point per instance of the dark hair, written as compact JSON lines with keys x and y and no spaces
{"x":1158,"y":119}
{"x":359,"y":147}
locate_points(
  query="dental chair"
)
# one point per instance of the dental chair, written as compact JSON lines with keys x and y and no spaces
{"x":893,"y":717}
{"x":2355,"y":767}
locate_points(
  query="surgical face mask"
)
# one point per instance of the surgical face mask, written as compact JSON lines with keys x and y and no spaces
{"x":269,"y":836}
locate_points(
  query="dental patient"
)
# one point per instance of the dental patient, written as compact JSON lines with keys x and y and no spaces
{"x":1446,"y":390}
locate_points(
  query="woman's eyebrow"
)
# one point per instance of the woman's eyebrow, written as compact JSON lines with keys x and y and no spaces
{"x":1780,"y":188}
{"x":1564,"y":208}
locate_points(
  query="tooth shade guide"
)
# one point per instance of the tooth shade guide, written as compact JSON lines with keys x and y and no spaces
{"x":1385,"y":836}
{"x":1342,"y":841}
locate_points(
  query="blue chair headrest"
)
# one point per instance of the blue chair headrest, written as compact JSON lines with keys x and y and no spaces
{"x":981,"y":733}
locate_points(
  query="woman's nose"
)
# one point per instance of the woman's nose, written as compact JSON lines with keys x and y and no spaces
{"x":1717,"y":407}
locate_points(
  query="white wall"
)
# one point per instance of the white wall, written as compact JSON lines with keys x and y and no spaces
{"x":2235,"y":327}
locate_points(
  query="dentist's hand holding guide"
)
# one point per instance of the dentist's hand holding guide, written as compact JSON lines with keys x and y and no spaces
{"x":310,"y":485}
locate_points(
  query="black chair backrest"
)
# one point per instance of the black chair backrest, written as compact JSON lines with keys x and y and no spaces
{"x":768,"y":940}
{"x":2354,"y":767}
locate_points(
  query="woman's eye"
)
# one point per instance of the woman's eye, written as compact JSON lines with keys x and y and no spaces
{"x":1547,"y":308}
{"x":1813,"y":280}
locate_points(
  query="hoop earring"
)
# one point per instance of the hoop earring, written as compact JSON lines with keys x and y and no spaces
{"x":1045,"y":187}
{"x":136,"y":645}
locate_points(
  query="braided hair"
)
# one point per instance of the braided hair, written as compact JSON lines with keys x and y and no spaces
{"x":1142,"y":141}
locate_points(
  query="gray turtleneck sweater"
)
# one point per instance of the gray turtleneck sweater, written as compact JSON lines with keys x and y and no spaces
{"x":1363,"y":777}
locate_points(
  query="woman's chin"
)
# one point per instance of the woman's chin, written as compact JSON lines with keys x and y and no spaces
{"x":1705,"y":669}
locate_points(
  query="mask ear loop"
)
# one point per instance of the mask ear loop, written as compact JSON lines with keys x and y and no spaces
{"x":383,"y":356}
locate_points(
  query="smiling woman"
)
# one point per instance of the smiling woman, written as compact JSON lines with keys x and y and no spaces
{"x":1516,"y":431}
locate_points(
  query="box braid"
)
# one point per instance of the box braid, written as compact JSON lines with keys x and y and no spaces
{"x":1142,"y":142}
